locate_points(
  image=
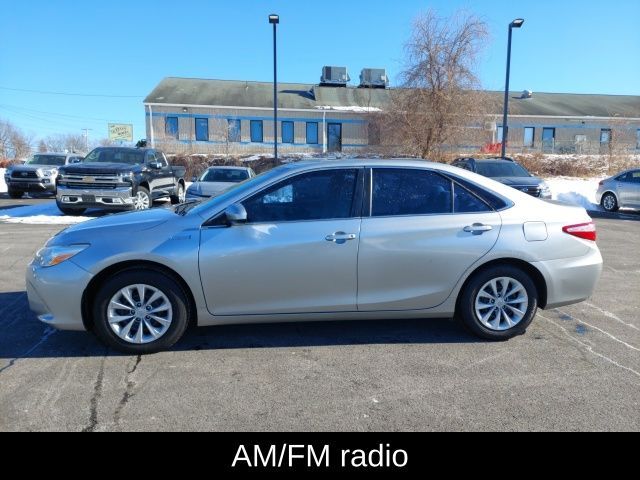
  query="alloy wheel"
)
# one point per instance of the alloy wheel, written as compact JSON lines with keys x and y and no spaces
{"x":501,"y":304}
{"x":141,"y":201}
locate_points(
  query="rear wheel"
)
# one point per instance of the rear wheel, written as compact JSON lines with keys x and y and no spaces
{"x":609,"y":202}
{"x":70,"y":210}
{"x":141,"y":311}
{"x":499,"y":303}
{"x":180,"y":195}
{"x":15,"y":193}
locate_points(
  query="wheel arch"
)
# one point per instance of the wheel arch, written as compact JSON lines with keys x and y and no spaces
{"x":90,"y":292}
{"x":535,"y":274}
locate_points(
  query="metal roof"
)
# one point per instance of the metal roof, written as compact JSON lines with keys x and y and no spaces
{"x":246,"y":94}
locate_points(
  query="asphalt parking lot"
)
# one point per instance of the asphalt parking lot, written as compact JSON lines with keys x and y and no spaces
{"x":577,"y":368}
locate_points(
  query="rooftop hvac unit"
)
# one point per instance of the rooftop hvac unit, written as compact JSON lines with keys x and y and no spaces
{"x":334,"y":76}
{"x":374,"y":78}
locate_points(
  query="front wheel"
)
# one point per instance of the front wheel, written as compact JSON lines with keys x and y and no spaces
{"x":180,"y":195}
{"x":499,"y":303}
{"x":609,"y":202}
{"x":15,"y":194}
{"x":140,"y":311}
{"x":142,"y":200}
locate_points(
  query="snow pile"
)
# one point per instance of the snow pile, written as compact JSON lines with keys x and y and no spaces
{"x":353,"y":109}
{"x":3,"y":186}
{"x":41,"y":214}
{"x":575,"y":191}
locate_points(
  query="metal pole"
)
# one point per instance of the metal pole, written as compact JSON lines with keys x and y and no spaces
{"x":505,"y":126}
{"x":275,"y":94}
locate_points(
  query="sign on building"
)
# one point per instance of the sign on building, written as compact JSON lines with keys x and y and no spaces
{"x":120,"y":132}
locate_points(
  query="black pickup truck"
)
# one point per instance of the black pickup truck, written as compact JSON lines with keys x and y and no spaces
{"x":119,"y":178}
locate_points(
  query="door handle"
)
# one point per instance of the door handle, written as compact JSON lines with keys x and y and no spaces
{"x":478,"y":228}
{"x":340,"y":237}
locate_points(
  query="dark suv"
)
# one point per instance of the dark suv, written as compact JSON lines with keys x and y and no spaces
{"x":507,"y":171}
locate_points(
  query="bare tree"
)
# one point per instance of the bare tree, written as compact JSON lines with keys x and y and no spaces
{"x":42,"y":146}
{"x":65,"y":142}
{"x":13,"y":142}
{"x":440,"y":103}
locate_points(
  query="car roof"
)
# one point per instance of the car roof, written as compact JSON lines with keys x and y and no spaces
{"x":227,"y":167}
{"x":58,"y":154}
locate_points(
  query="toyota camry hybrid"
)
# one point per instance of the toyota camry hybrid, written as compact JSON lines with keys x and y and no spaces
{"x":320,"y":240}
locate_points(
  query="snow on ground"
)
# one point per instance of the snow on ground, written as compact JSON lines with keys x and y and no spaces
{"x":575,"y":191}
{"x":40,"y":214}
{"x":3,"y":186}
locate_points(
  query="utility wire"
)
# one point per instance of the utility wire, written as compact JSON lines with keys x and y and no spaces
{"x":43,"y":92}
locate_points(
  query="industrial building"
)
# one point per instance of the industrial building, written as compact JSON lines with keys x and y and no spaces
{"x":236,"y":117}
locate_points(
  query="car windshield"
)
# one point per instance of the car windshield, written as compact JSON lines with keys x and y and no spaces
{"x":225,"y":175}
{"x":501,"y":169}
{"x":51,"y":160}
{"x":114,"y":155}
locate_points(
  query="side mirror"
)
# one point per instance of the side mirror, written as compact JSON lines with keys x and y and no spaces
{"x":194,"y":179}
{"x":236,"y":214}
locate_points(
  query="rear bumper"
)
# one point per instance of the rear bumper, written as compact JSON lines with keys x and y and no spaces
{"x":35,"y":185}
{"x":571,"y":280}
{"x":116,"y":198}
{"x":55,"y":294}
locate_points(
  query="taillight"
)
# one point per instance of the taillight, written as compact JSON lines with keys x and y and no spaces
{"x":586,"y":231}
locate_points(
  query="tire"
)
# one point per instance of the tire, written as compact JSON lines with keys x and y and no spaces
{"x":142,"y":200}
{"x":473,"y":304}
{"x":609,"y":202}
{"x":70,"y":210}
{"x":180,"y":197}
{"x":15,"y":194}
{"x":133,"y":335}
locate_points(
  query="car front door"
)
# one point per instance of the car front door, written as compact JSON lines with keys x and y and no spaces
{"x":166,"y":173}
{"x":297,"y":253}
{"x":423,"y":233}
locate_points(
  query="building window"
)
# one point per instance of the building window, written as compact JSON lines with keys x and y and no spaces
{"x":171,"y":127}
{"x":499,"y":133}
{"x":605,"y":136}
{"x":202,"y":129}
{"x":638,"y":139}
{"x":312,"y":133}
{"x":529,"y":135}
{"x":234,"y":130}
{"x":287,"y":132}
{"x":256,"y":131}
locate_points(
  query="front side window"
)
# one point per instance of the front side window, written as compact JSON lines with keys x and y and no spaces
{"x":256,"y":131}
{"x":234,"y":130}
{"x":399,"y":192}
{"x":202,"y":129}
{"x":171,"y":127}
{"x":323,"y":195}
{"x":312,"y":133}
{"x":287,"y":132}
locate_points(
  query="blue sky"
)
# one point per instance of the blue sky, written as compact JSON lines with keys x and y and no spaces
{"x":124,"y":48}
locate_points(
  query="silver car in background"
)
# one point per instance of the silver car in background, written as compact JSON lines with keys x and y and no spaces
{"x":620,"y":191}
{"x":38,"y":174}
{"x":320,"y":240}
{"x":217,"y":180}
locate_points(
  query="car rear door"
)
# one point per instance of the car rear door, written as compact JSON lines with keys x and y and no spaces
{"x":413,"y":247}
{"x":297,"y":253}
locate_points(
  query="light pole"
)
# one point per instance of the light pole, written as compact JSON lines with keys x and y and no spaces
{"x":275,"y":20}
{"x":517,"y":23}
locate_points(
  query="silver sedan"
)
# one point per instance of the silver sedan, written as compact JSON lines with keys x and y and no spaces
{"x":322,"y":240}
{"x":620,"y":191}
{"x":217,"y":180}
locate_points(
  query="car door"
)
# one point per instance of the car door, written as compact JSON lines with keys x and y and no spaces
{"x":633,"y":188}
{"x":297,"y":253}
{"x":626,"y":190}
{"x":166,"y":173}
{"x":423,"y":233}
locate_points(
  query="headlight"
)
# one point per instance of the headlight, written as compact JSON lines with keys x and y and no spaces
{"x":50,"y":173}
{"x":51,"y":256}
{"x":545,"y":190}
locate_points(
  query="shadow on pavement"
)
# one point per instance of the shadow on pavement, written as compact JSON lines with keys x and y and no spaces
{"x":633,"y":215}
{"x":23,"y":336}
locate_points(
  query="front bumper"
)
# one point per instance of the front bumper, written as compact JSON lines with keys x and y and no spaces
{"x":32,"y":185}
{"x":55,"y":294}
{"x":117,"y":198}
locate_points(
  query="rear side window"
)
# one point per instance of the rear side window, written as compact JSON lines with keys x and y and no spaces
{"x":323,"y":195}
{"x":398,"y":191}
{"x":495,"y":201}
{"x":466,"y":202}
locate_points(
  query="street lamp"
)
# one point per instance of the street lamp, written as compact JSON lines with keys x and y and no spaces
{"x":517,"y":23}
{"x":275,"y":20}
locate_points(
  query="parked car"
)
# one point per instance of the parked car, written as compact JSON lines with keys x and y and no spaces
{"x":119,"y":178}
{"x":620,"y":191}
{"x":217,"y":180}
{"x":38,"y":174}
{"x":320,"y":240}
{"x":508,"y":171}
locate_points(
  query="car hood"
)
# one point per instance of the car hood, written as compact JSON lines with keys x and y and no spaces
{"x":521,"y":181}
{"x":100,"y":168}
{"x":210,"y":189}
{"x":125,"y":224}
{"x":31,"y":168}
